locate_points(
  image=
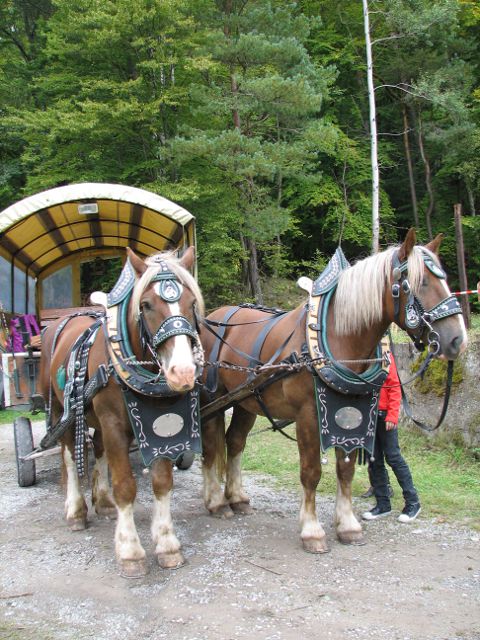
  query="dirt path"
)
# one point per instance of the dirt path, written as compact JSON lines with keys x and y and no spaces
{"x":246,"y":578}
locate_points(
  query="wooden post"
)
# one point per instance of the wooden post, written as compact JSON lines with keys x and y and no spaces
{"x":462,"y":273}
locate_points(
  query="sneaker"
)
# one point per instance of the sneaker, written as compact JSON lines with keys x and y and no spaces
{"x":410,"y":512}
{"x":376,"y":512}
{"x":368,"y":493}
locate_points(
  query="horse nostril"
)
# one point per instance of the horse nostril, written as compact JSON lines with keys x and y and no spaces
{"x":456,"y":344}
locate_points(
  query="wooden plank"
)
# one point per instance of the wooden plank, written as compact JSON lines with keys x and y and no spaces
{"x":49,"y":315}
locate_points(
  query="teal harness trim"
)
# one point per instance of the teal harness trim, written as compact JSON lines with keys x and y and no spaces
{"x":126,"y":346}
{"x":374,"y":374}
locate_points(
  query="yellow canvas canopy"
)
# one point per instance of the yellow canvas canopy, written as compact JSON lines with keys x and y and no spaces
{"x":66,"y":225}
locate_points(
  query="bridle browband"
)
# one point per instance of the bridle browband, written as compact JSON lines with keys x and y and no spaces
{"x":416,"y":317}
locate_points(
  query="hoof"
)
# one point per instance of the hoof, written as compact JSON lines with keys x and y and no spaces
{"x":105,"y":511}
{"x":243,"y":508}
{"x":170,"y":560}
{"x":351,"y":537}
{"x":77,"y":524}
{"x":133,"y":568}
{"x":223,"y":512}
{"x":315,"y":545}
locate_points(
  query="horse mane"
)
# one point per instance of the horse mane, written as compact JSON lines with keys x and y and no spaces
{"x":153,"y":268}
{"x":359,"y":297}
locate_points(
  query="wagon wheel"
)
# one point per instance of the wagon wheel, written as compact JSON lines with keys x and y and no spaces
{"x":185,"y":460}
{"x":22,"y":432}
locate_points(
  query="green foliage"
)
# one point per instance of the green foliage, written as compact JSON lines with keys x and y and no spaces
{"x":433,"y":381}
{"x":253,"y":115}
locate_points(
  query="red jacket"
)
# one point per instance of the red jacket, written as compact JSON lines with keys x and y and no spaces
{"x":391,"y":395}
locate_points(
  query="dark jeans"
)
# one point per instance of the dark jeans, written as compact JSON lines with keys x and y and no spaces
{"x":387,"y":449}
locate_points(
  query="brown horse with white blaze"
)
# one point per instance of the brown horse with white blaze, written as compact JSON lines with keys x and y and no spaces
{"x":177,"y":357}
{"x":369,"y":296}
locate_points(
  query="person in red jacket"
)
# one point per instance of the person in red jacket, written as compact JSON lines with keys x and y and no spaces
{"x":387,"y":449}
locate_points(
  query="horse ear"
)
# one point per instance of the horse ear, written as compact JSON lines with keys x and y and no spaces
{"x":408,"y":244}
{"x":137,"y":263}
{"x":434,"y":245}
{"x":188,"y":258}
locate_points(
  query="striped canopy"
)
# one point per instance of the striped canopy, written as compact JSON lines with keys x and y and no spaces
{"x":52,"y":228}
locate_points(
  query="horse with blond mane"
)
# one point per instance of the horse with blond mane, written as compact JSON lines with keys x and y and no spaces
{"x":153,"y":348}
{"x":405,"y":285}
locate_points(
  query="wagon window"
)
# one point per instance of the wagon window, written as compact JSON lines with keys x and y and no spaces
{"x":57,"y":290}
{"x":19,"y":289}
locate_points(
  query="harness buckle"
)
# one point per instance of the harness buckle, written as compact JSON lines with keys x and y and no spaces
{"x":395,"y":290}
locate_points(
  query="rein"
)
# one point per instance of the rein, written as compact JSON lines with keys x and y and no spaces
{"x":446,"y":398}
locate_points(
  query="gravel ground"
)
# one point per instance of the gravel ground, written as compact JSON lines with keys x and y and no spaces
{"x":244,"y":578}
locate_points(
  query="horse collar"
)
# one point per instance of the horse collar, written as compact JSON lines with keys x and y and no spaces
{"x":333,"y":373}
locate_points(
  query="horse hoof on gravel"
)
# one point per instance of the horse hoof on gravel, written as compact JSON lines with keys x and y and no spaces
{"x":106,"y":511}
{"x":351,"y":537}
{"x":222,"y":512}
{"x":133,"y":568}
{"x":242,"y":508}
{"x":170,"y":560}
{"x":315,"y":545}
{"x":77,"y":524}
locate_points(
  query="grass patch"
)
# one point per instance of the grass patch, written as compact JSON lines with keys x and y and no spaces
{"x":20,"y":632}
{"x":445,"y":473}
{"x":9,"y":415}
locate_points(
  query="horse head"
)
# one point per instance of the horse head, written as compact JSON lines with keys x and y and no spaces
{"x":165,"y":305}
{"x":421,"y":302}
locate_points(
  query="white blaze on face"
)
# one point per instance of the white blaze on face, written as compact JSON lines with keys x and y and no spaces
{"x":178,"y":362}
{"x":459,"y":317}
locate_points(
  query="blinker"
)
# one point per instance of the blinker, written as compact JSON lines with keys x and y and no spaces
{"x":433,"y":267}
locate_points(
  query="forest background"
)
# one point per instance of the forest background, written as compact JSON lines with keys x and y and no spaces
{"x":253,"y":115}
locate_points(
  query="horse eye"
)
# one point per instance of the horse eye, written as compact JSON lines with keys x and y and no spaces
{"x":145,"y":305}
{"x":424,"y":281}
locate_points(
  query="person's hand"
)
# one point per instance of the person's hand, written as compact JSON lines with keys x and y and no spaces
{"x":389,"y":426}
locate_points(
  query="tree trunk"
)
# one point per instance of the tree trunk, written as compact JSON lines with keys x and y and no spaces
{"x":373,"y":135}
{"x":462,"y":273}
{"x":471,"y":197}
{"x":253,"y":273}
{"x":428,"y":182}
{"x":408,"y":156}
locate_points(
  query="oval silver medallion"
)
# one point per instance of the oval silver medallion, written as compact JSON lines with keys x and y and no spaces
{"x":348,"y":418}
{"x":168,"y":425}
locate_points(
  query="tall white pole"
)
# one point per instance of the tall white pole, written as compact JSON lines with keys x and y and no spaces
{"x":373,"y":134}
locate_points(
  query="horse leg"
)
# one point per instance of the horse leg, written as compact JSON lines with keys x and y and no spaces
{"x":167,"y":549}
{"x":75,"y":506}
{"x":128,"y":549}
{"x":240,"y":426}
{"x":213,"y":462}
{"x":312,"y":534}
{"x":349,"y":529}
{"x":101,"y":498}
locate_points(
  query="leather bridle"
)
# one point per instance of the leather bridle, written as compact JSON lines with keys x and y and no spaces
{"x":417,"y":318}
{"x":170,"y":290}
